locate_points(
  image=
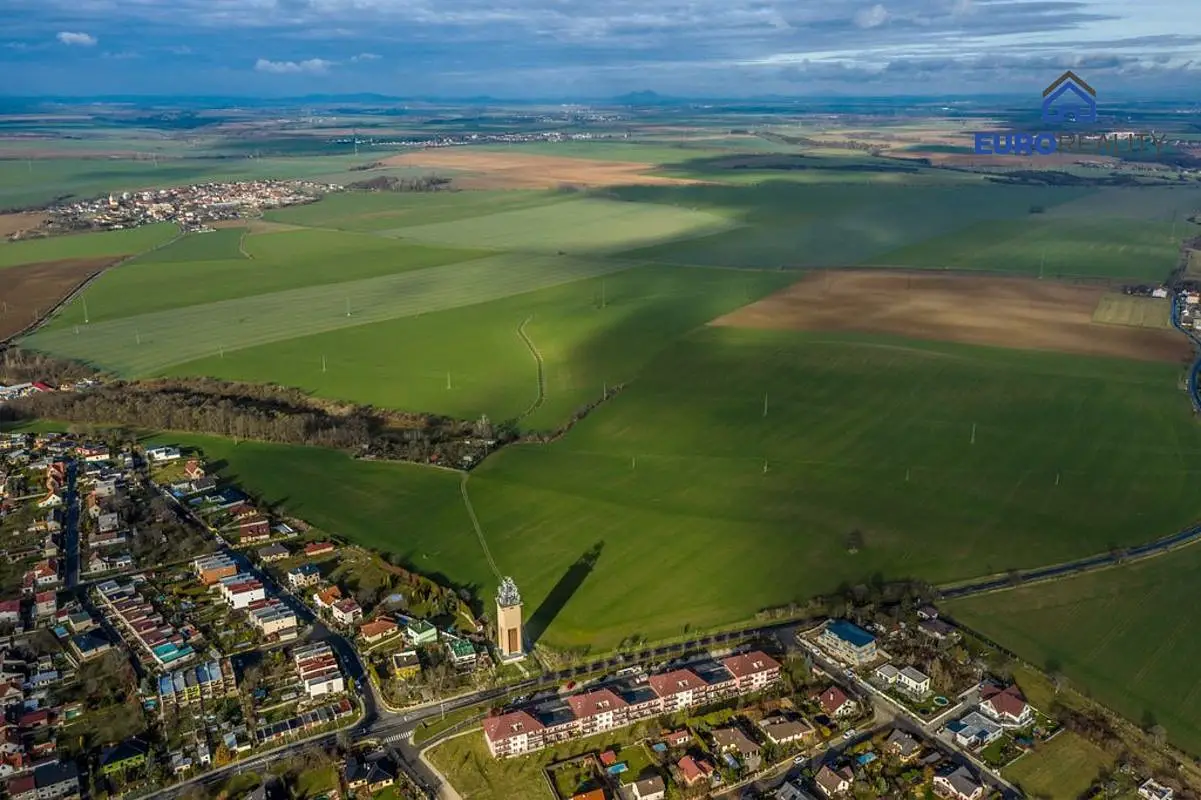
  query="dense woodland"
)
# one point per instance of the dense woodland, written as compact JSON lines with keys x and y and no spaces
{"x":25,"y":366}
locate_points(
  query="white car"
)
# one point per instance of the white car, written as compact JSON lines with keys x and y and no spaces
{"x":798,"y":761}
{"x":852,"y":733}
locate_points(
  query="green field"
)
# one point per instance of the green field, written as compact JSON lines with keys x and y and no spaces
{"x":1052,"y":247}
{"x":281,"y":261}
{"x":150,"y":342}
{"x":784,"y":223}
{"x":209,"y":246}
{"x":1126,"y":636}
{"x":86,"y":245}
{"x":583,"y":346}
{"x":576,"y":226}
{"x":1061,"y":769}
{"x":1136,"y":312}
{"x":380,"y":211}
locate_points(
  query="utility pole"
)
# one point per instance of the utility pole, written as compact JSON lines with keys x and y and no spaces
{"x":323,"y":363}
{"x":348,"y":306}
{"x":85,"y":310}
{"x":765,"y":404}
{"x":973,"y":433}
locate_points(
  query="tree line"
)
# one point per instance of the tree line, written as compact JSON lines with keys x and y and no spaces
{"x":268,"y":413}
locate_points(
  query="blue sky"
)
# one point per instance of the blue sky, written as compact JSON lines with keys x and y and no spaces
{"x":571,"y":48}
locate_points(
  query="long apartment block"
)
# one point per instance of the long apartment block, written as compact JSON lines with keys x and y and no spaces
{"x":587,"y":713}
{"x":142,"y":624}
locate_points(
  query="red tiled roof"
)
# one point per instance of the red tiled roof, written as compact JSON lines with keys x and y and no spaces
{"x":347,"y":606}
{"x":678,"y":737}
{"x":20,"y":785}
{"x":608,"y":758}
{"x":45,"y":597}
{"x":589,"y":704}
{"x":312,"y":548}
{"x":1008,"y":700}
{"x":377,"y":627}
{"x":748,"y":664}
{"x":832,"y":699}
{"x":680,"y":680}
{"x":689,"y":770}
{"x":10,"y":606}
{"x":506,"y":726}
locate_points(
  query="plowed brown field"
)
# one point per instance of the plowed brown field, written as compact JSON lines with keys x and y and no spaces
{"x":1022,"y":313}
{"x":29,"y":291}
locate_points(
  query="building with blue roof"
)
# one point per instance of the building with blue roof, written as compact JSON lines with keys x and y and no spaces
{"x":205,"y":681}
{"x":848,"y":642}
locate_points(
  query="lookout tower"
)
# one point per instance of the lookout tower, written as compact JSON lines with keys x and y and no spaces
{"x":508,"y":621}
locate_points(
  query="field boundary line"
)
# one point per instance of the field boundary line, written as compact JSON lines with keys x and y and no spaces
{"x":475,"y":522}
{"x":78,"y":290}
{"x":541,"y":366}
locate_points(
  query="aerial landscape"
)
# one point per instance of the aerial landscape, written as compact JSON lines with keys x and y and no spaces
{"x":581,"y":423}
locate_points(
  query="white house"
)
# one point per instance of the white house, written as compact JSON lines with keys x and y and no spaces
{"x":159,"y":454}
{"x":914,"y":682}
{"x":1154,"y":790}
{"x":958,"y":785}
{"x":1006,"y":705}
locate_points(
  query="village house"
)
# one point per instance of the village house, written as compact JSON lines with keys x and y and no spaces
{"x":272,"y":616}
{"x":679,"y":738}
{"x":902,"y":746}
{"x":193,"y":470}
{"x":211,"y":569}
{"x":848,"y":642}
{"x":733,"y":740}
{"x":46,"y":782}
{"x":1152,"y":789}
{"x":405,"y":665}
{"x":318,"y":670}
{"x":272,"y":552}
{"x":791,"y":791}
{"x":833,"y":783}
{"x":462,"y":652}
{"x":836,"y":704}
{"x":1006,"y":705}
{"x":253,"y":530}
{"x":326,"y":598}
{"x":346,"y":611}
{"x":649,"y":789}
{"x":10,"y":612}
{"x":377,"y":630}
{"x":159,"y":455}
{"x":303,"y":576}
{"x":240,"y":590}
{"x":958,"y":784}
{"x":419,"y":632}
{"x":975,"y":730}
{"x":780,"y":729}
{"x":314,"y":549}
{"x":374,"y":773}
{"x":690,"y":772}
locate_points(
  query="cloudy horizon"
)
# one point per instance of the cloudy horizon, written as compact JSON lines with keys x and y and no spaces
{"x":561,"y":48}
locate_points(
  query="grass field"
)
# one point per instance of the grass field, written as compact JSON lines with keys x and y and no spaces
{"x":150,"y":342}
{"x":372,"y":211}
{"x":792,"y":224}
{"x":576,"y":226}
{"x":1052,"y":247}
{"x":86,"y":245}
{"x":281,"y":261}
{"x":1138,"y":312}
{"x":583,"y":346}
{"x":1061,"y":769}
{"x":1125,"y":636}
{"x":211,"y":246}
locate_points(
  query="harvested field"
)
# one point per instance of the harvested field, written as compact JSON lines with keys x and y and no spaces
{"x":1138,"y":312}
{"x":22,"y":221}
{"x":30,"y":290}
{"x":1020,"y":313}
{"x":496,"y":170}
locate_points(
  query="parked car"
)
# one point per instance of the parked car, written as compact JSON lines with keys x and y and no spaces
{"x":850,"y":734}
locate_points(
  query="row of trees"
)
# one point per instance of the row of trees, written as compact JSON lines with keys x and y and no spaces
{"x":25,"y":366}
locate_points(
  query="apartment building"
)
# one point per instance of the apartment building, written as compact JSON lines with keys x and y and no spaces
{"x":240,"y":590}
{"x":271,"y":616}
{"x":142,"y":624}
{"x":526,"y":730}
{"x":318,"y":669}
{"x":211,"y":569}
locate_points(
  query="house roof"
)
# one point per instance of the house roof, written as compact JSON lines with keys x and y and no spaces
{"x":732,"y":737}
{"x":677,"y":737}
{"x":962,"y":781}
{"x":21,"y":785}
{"x":589,"y":704}
{"x":830,"y":780}
{"x":680,"y":680}
{"x":689,"y":770}
{"x":329,"y":596}
{"x":317,"y":547}
{"x":649,"y":786}
{"x":506,"y":726}
{"x":377,"y":627}
{"x":902,"y":742}
{"x":832,"y":699}
{"x":595,"y":794}
{"x":915,"y":675}
{"x":850,"y":633}
{"x":747,"y":664}
{"x":348,"y":605}
{"x":128,"y":749}
{"x":1007,"y":700}
{"x":888,"y":672}
{"x":780,"y":727}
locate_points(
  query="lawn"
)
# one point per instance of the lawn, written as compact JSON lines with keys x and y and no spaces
{"x":1061,"y":769}
{"x":86,"y":245}
{"x":574,"y":777}
{"x":576,"y":226}
{"x":149,"y":343}
{"x":281,"y":261}
{"x":785,"y":223}
{"x":1052,"y":247}
{"x":491,"y":370}
{"x":476,"y":775}
{"x":1123,"y":635}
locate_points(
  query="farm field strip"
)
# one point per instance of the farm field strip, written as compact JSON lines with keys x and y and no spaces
{"x":578,"y":226}
{"x":146,"y":343}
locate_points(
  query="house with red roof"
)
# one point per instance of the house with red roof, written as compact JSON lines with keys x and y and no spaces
{"x":1006,"y":705}
{"x":10,"y":611}
{"x":679,"y":689}
{"x":690,"y":771}
{"x":835,"y":703}
{"x":513,"y":734}
{"x":377,"y":630}
{"x":194,"y":470}
{"x":318,"y":548}
{"x":347,"y":611}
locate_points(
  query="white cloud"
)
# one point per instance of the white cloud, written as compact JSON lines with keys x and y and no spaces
{"x":83,"y":39}
{"x":312,"y":66}
{"x":366,"y":57}
{"x":872,"y":17}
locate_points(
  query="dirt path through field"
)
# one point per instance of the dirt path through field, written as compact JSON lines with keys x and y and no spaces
{"x":497,"y":169}
{"x":1023,"y":313}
